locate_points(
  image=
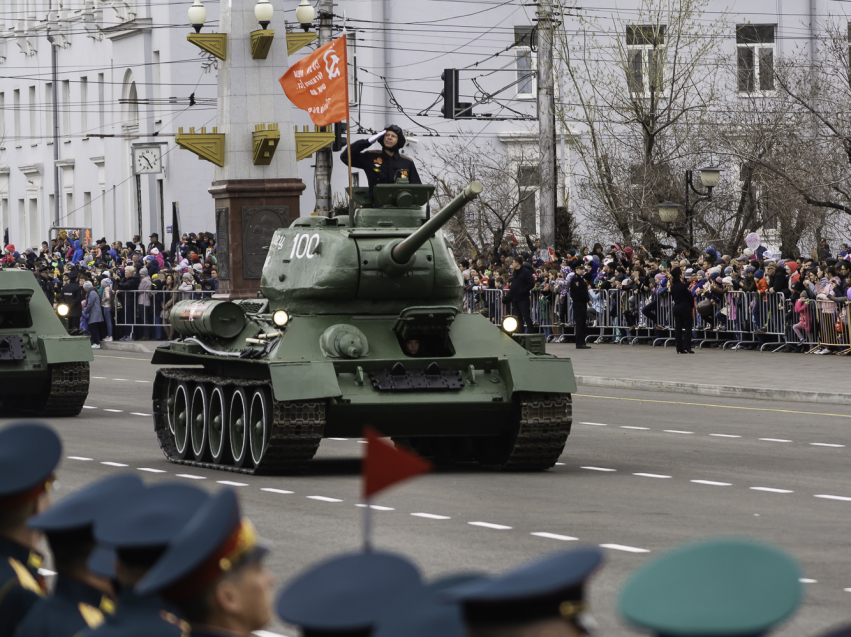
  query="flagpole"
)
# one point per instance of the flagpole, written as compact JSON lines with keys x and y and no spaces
{"x":367,"y":526}
{"x":349,"y":137}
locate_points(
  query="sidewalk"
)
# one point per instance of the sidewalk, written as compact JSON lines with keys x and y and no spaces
{"x":712,"y":372}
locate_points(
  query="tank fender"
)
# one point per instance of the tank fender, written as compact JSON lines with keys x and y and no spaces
{"x":304,"y":380}
{"x":548,"y":374}
{"x":65,"y":349}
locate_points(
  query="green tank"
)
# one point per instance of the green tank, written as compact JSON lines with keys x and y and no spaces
{"x":328,"y":350}
{"x":43,"y":369}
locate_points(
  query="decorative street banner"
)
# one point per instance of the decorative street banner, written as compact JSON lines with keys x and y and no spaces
{"x":319,"y":83}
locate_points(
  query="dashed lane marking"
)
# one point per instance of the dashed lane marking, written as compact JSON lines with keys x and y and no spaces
{"x":189,"y":476}
{"x":633,"y":427}
{"x":559,"y":464}
{"x":677,"y":402}
{"x":152,"y":470}
{"x":847,"y":590}
{"x":232,"y":484}
{"x":84,"y":459}
{"x":841,"y":498}
{"x":271,"y":490}
{"x":712,"y":483}
{"x":651,"y":475}
{"x":554,"y":536}
{"x":138,"y":413}
{"x":99,"y":377}
{"x":431,"y":516}
{"x":337,"y":438}
{"x":375,"y":507}
{"x":490,"y":525}
{"x":88,"y":407}
{"x":595,"y":424}
{"x":115,"y":411}
{"x":676,"y":431}
{"x":622,"y":547}
{"x":807,"y":580}
{"x":598,"y":469}
{"x":725,"y":435}
{"x":771,"y":490}
{"x":775,"y":440}
{"x":824,"y":444}
{"x":322,"y":498}
{"x":114,"y":464}
{"x":267,"y":633}
{"x":143,"y":381}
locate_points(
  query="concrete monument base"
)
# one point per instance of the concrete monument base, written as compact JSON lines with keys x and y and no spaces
{"x":248,"y":211}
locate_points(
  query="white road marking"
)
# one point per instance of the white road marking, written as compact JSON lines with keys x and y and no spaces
{"x":190,"y":476}
{"x":271,"y":490}
{"x":431,"y":516}
{"x":143,"y":381}
{"x":337,"y":438}
{"x":363,"y":442}
{"x":232,"y":484}
{"x":267,"y":633}
{"x":80,"y":458}
{"x":114,"y":464}
{"x":621,"y":547}
{"x":376,"y":507}
{"x":841,"y":498}
{"x":712,"y":483}
{"x":46,"y":572}
{"x":847,"y":590}
{"x":490,"y":525}
{"x":676,"y":431}
{"x":119,"y":379}
{"x":115,"y":411}
{"x":88,"y":407}
{"x":824,"y":444}
{"x":597,"y":469}
{"x":650,"y":475}
{"x":775,"y":440}
{"x":725,"y":435}
{"x":554,"y":536}
{"x":138,"y":413}
{"x":559,"y":464}
{"x":151,"y":470}
{"x":771,"y":490}
{"x":99,"y":377}
{"x":807,"y":580}
{"x":631,"y":427}
{"x":596,"y":424}
{"x":322,"y":498}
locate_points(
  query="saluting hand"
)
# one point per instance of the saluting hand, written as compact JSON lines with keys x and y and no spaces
{"x":375,"y":137}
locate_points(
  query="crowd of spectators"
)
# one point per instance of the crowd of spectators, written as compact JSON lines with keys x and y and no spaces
{"x":120,"y":290}
{"x":586,"y":276}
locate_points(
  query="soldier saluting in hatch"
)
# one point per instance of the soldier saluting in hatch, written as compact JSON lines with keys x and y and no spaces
{"x":382,"y":166}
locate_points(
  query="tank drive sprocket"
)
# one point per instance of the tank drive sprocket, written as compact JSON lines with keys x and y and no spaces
{"x":288,"y":443}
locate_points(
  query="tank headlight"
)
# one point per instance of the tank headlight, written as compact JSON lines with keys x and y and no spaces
{"x":280,"y":318}
{"x":510,"y":324}
{"x":62,"y":309}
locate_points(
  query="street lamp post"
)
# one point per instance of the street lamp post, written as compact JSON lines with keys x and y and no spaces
{"x":669,"y":211}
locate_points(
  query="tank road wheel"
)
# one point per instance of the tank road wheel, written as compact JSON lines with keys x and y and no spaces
{"x":238,"y":427}
{"x":171,"y":394}
{"x":182,"y":398}
{"x":199,"y":411}
{"x":259,"y":418}
{"x":217,"y":434}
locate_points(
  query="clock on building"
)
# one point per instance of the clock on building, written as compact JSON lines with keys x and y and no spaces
{"x":147,"y":159}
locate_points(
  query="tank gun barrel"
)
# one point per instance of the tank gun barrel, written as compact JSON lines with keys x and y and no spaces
{"x":405,"y":249}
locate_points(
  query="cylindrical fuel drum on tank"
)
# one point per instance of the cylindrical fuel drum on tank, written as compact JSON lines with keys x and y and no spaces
{"x":216,"y":319}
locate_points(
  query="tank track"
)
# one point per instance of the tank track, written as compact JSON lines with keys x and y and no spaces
{"x":296,"y":432}
{"x":545,"y":421}
{"x":69,"y":388}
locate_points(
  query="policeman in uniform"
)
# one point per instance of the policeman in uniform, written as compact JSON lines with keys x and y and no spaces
{"x":213,"y":572}
{"x":80,"y":598}
{"x":579,"y":297}
{"x":347,"y":594}
{"x":72,"y":296}
{"x":45,"y":281}
{"x":131,"y":537}
{"x":382,"y":166}
{"x":714,"y":588}
{"x":29,"y":454}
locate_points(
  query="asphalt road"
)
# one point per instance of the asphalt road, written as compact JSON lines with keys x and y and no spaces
{"x":642,"y":472}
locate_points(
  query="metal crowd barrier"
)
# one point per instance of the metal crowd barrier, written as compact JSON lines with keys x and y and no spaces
{"x":140,"y":312}
{"x":834,"y":326}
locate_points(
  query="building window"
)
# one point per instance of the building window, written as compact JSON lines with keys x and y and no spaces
{"x":2,"y":127}
{"x":48,"y":112}
{"x":352,"y":55}
{"x":526,"y":55}
{"x":101,"y":109}
{"x":755,"y":58}
{"x":17,"y":104}
{"x":645,"y":58}
{"x":33,"y":117}
{"x":529,"y":182}
{"x":66,"y":110}
{"x":84,"y":103}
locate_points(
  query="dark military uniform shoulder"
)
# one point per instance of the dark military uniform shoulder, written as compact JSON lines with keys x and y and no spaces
{"x":20,"y":584}
{"x":73,"y":607}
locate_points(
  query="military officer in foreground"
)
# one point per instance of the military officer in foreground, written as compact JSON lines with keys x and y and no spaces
{"x":80,"y":598}
{"x":131,"y":537}
{"x":715,"y":588}
{"x":29,"y":454}
{"x":213,"y":572}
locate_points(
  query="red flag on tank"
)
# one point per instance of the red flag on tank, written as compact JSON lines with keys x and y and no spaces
{"x":385,"y":465}
{"x":319,"y":83}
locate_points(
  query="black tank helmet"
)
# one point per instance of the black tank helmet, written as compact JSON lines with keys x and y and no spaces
{"x":395,"y":129}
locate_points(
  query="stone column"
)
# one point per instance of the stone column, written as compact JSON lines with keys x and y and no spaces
{"x":251,"y":201}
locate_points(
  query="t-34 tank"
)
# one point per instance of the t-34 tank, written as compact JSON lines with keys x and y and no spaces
{"x":43,"y":369}
{"x":330,"y":348}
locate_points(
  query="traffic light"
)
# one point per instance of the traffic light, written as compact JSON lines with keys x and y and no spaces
{"x":452,"y":108}
{"x":339,"y":136}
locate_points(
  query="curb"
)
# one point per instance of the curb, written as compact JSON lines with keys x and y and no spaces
{"x":727,"y":391}
{"x":126,"y":346}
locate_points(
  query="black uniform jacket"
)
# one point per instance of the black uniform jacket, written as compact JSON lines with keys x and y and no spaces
{"x":20,"y":584}
{"x":681,"y":296}
{"x":522,"y":282}
{"x":72,"y":295}
{"x":379,"y":166}
{"x":74,"y":606}
{"x":145,"y":616}
{"x":578,"y":289}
